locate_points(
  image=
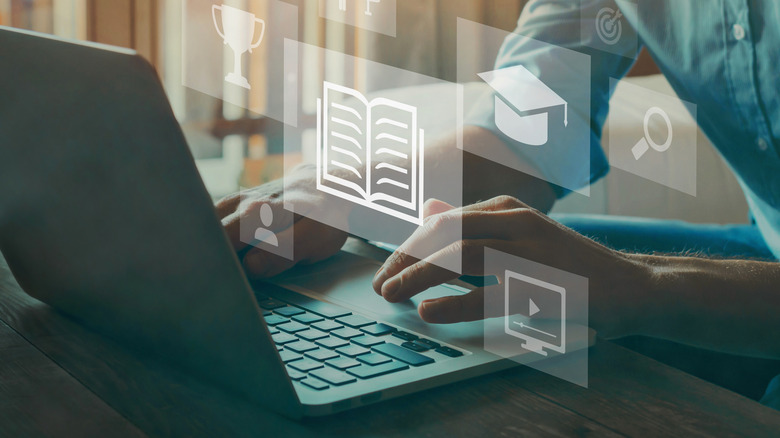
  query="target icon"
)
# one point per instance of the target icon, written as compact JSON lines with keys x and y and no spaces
{"x":608,"y":25}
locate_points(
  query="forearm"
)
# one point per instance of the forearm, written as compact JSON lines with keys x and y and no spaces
{"x":727,"y":305}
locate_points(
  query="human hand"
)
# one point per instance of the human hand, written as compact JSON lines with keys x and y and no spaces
{"x":311,"y":241}
{"x":508,"y":225}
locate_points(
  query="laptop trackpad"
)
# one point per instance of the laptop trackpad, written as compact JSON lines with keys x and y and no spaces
{"x":346,"y":280}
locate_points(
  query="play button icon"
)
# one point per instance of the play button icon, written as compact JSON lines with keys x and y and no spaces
{"x":533,"y":309}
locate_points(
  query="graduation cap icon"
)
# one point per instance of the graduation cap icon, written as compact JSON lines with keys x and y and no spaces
{"x":523,"y":103}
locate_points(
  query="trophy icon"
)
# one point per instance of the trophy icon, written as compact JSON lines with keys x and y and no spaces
{"x":239,"y":27}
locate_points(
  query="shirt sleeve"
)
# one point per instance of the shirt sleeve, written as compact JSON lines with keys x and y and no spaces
{"x":557,"y":24}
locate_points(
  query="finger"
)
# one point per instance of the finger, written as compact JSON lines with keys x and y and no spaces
{"x":228,"y":204}
{"x":445,"y":224}
{"x":473,"y":222}
{"x":498,"y":203}
{"x":242,"y":225}
{"x":435,"y":206}
{"x":450,"y":227}
{"x":456,"y":308}
{"x":431,"y":207}
{"x":259,"y":263}
{"x":311,"y":242}
{"x":478,"y":304}
{"x":427,"y":273}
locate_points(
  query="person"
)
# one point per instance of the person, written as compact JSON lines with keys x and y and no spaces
{"x":264,"y":234}
{"x":724,"y":297}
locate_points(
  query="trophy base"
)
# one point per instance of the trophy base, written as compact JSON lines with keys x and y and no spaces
{"x":239,"y":80}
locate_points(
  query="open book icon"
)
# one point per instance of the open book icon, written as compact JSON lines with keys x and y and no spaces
{"x":370,"y":153}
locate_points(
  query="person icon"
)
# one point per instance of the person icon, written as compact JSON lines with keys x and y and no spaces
{"x":263,"y":234}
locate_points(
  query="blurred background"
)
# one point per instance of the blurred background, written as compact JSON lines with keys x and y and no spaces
{"x":237,"y":148}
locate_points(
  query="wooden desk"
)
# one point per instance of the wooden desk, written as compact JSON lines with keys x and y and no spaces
{"x":58,"y":378}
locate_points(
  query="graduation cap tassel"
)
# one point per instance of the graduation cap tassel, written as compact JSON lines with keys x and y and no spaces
{"x":566,"y":114}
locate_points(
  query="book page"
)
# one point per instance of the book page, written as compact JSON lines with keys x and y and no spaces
{"x":394,"y":148}
{"x":345,"y":137}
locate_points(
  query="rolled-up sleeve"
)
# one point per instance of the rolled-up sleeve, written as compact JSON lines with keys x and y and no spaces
{"x":546,"y":31}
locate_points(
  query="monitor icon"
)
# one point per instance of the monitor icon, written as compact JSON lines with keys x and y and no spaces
{"x":526,"y":297}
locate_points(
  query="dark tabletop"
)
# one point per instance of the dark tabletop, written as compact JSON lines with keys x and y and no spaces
{"x":58,"y":378}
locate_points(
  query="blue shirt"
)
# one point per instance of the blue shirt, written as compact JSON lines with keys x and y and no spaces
{"x":723,"y":56}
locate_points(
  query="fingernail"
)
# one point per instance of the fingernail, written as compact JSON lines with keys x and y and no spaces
{"x":379,"y":278}
{"x":428,"y":310}
{"x":391,"y":287}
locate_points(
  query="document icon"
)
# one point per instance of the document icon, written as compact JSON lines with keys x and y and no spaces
{"x":523,"y":104}
{"x":370,"y":152}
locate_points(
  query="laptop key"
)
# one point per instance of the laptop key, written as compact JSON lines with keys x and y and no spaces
{"x":451,"y":352}
{"x":402,"y":354}
{"x":327,"y":325}
{"x":373,"y":359}
{"x":347,"y":333}
{"x":275,"y":320}
{"x":367,"y":341}
{"x":315,"y":384}
{"x":271,"y":304}
{"x":355,"y":321}
{"x":272,"y":330}
{"x":406,"y":336}
{"x":289,"y":356}
{"x":288,"y":311}
{"x":300,"y":346}
{"x":267,"y":312}
{"x":378,"y":329}
{"x":414,"y":346}
{"x":342,"y":363}
{"x":334,"y":377}
{"x":307,"y":318}
{"x":368,"y":371}
{"x":428,"y":343}
{"x":331,"y":342}
{"x":295,"y":374}
{"x":321,"y":354}
{"x":321,"y":308}
{"x":312,"y":335}
{"x":352,"y":350}
{"x":283,"y":338}
{"x":292,"y":327}
{"x":305,"y":365}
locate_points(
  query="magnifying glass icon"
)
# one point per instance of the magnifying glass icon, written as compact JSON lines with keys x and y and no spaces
{"x":647,"y":142}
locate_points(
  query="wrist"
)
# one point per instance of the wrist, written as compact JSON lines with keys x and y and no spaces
{"x":651,"y":277}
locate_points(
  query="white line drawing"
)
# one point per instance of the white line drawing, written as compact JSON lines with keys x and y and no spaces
{"x":522,"y":325}
{"x":368,"y":6}
{"x":264,"y":234}
{"x":522,"y":104}
{"x":609,"y":28}
{"x":239,"y":32}
{"x":532,"y":343}
{"x":646,"y":142}
{"x":343,"y":6}
{"x":349,"y":140}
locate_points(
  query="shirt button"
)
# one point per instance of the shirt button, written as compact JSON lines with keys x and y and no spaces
{"x":762,"y":144}
{"x":739,"y":32}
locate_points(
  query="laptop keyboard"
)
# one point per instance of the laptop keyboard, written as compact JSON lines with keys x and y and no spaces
{"x":325,"y":346}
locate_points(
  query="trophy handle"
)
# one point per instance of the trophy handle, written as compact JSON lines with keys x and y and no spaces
{"x":214,"y":17}
{"x":262,"y":32}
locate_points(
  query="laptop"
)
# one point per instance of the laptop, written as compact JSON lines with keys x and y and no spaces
{"x":105,"y":217}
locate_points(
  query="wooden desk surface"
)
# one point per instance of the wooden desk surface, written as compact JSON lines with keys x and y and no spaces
{"x":58,"y":378}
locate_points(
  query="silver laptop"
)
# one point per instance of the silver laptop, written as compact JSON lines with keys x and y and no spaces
{"x":104,"y":217}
